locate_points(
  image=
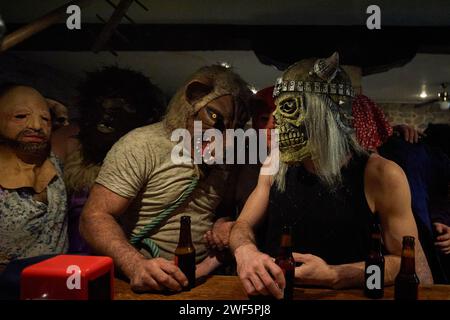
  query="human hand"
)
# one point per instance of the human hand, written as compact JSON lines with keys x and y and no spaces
{"x":443,"y":239}
{"x":313,"y":271}
{"x":410,"y":134}
{"x":258,"y":272}
{"x":157,"y":274}
{"x":219,"y":237}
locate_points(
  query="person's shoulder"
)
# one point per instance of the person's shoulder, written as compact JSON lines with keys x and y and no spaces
{"x":145,"y":130}
{"x":142,"y":136}
{"x":383,"y":172}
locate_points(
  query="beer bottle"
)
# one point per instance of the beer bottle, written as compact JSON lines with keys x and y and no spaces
{"x":374,"y":267}
{"x":286,"y":262}
{"x":185,"y":252}
{"x":407,"y":282}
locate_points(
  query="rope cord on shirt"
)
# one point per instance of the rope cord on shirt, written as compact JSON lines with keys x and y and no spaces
{"x":141,"y":237}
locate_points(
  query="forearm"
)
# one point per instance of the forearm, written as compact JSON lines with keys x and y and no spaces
{"x":422,"y":269}
{"x":352,"y":275}
{"x":105,"y":236}
{"x":241,"y":234}
{"x":251,"y":215}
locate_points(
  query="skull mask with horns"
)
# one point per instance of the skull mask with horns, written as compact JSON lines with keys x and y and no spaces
{"x":293,"y":92}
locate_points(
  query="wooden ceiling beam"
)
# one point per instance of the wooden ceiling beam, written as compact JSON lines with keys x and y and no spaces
{"x":39,"y":25}
{"x":111,"y":25}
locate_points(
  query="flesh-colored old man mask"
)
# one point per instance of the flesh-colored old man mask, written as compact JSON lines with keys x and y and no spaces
{"x":25,"y":128}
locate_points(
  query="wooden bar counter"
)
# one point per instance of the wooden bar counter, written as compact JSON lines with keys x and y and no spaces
{"x":230,"y":288}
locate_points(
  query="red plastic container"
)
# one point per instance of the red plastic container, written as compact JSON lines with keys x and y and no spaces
{"x":69,"y":277}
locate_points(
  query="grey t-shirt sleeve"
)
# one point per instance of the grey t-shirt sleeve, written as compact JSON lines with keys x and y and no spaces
{"x":127,"y":166}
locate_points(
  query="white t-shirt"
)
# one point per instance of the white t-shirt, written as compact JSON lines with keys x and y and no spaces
{"x":139,"y":166}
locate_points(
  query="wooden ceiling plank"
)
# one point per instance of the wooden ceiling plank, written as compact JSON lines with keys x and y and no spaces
{"x":111,"y":25}
{"x":39,"y":25}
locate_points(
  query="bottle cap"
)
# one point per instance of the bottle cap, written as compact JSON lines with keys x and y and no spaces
{"x":408,"y":240}
{"x":185,"y":219}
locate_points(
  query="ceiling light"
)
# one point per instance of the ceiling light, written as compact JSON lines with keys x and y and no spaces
{"x":444,"y":104}
{"x":225,"y":65}
{"x":443,"y":96}
{"x":423,"y":94}
{"x":253,"y":89}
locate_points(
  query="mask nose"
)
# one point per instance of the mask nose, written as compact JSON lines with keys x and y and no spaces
{"x":35,"y":123}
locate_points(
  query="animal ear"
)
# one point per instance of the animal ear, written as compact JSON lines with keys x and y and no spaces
{"x":196,"y":90}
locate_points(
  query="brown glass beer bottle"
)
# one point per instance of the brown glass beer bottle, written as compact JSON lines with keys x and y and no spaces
{"x":374,"y":267}
{"x":407,"y":282}
{"x":185,"y":252}
{"x":286,"y":262}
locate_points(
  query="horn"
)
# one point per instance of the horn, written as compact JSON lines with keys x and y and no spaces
{"x":327,"y":68}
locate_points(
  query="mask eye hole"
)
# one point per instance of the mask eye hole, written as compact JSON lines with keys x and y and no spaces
{"x":290,"y":107}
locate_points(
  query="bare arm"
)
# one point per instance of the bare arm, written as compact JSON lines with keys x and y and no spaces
{"x":257,"y":271}
{"x":387,"y":192}
{"x":392,"y":200}
{"x":253,"y":212}
{"x":352,"y":275}
{"x":315,"y":271}
{"x":99,"y":227}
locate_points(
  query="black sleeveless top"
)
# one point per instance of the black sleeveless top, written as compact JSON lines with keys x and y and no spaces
{"x":333,"y":225}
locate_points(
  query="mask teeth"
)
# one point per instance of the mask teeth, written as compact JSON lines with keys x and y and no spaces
{"x":209,"y":147}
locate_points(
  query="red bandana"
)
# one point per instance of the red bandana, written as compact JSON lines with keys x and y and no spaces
{"x":371,"y":127}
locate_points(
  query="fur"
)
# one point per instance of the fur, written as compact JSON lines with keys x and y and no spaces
{"x":222,"y":81}
{"x":112,"y":82}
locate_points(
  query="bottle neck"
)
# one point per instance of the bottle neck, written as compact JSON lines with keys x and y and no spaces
{"x":185,"y":239}
{"x":375,"y":243}
{"x":375,"y":235}
{"x":286,"y":245}
{"x":408,"y":263}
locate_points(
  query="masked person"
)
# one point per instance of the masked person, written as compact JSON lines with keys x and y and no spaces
{"x":33,"y":208}
{"x":112,"y":101}
{"x":141,"y":184}
{"x":424,"y":168}
{"x":371,"y":130}
{"x":327,"y":189}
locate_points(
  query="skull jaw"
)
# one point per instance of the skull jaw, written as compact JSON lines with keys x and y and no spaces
{"x":295,"y":154}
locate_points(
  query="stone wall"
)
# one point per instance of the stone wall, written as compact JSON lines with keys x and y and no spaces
{"x":419,"y":118}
